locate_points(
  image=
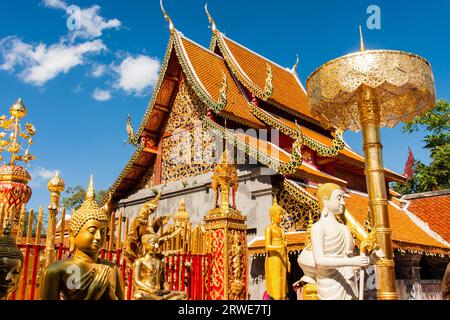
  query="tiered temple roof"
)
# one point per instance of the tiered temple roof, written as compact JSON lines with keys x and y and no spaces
{"x":251,"y":91}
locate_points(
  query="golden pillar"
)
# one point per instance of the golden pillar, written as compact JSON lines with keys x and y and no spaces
{"x":227,"y":238}
{"x":365,"y":91}
{"x":55,"y":186}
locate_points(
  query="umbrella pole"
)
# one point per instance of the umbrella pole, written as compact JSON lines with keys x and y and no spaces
{"x":369,"y":114}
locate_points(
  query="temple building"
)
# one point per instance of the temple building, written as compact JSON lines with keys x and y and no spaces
{"x":227,"y":92}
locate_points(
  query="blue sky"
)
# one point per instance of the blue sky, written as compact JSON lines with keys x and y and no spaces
{"x":79,"y":85}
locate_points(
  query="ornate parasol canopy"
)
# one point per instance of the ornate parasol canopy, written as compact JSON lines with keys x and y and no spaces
{"x":402,"y":84}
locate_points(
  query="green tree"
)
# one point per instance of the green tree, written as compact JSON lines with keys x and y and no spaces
{"x":75,"y":197}
{"x":436,"y":175}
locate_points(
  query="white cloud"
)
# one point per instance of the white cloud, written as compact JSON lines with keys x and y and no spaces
{"x":91,"y":24}
{"x":101,"y":95}
{"x":41,"y":63}
{"x":57,"y":4}
{"x":137,"y":74}
{"x":98,"y":70}
{"x":85,"y":23}
{"x":40,"y":176}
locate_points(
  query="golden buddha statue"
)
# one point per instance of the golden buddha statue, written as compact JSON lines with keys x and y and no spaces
{"x":277,"y":263}
{"x":149,"y":270}
{"x":11,"y":263}
{"x":84,"y":276}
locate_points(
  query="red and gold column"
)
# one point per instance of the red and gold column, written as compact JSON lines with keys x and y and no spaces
{"x":227,"y":239}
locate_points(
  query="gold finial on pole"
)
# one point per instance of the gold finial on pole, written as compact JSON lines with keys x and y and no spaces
{"x":294,"y":68}
{"x":166,"y":16}
{"x":211,"y":20}
{"x":12,"y":144}
{"x":361,"y":40}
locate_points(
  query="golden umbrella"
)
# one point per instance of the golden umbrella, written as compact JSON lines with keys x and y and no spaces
{"x":365,"y":91}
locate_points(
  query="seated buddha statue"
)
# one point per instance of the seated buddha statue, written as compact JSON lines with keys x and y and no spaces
{"x":11,"y":263}
{"x":84,"y":276}
{"x":149,"y":270}
{"x":277,"y":263}
{"x":332,"y":247}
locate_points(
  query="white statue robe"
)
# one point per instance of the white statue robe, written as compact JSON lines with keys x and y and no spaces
{"x":337,"y":283}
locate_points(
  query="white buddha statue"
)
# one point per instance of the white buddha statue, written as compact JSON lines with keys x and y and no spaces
{"x":332,"y":246}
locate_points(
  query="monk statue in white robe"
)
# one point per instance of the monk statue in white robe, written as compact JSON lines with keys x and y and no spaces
{"x":332,"y":246}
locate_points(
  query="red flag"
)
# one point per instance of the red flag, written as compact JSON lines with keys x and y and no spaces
{"x":408,"y":172}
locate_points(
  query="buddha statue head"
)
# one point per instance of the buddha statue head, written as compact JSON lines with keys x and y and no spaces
{"x":150,"y":243}
{"x":330,"y":197}
{"x":276,"y":212}
{"x":11,"y":262}
{"x":88,"y":225}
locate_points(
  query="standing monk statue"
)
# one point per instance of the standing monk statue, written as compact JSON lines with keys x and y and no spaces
{"x":277,"y":261}
{"x":84,"y":276}
{"x":333,"y":245}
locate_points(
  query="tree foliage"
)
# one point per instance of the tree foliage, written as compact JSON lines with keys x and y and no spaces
{"x":436,"y":175}
{"x":75,"y":197}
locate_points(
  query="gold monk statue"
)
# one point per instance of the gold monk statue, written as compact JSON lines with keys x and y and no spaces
{"x":277,"y":263}
{"x":11,"y":262}
{"x":149,"y":271}
{"x":84,"y":276}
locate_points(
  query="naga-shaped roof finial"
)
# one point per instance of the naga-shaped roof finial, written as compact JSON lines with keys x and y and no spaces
{"x":294,"y":68}
{"x":211,"y":20}
{"x":166,"y":16}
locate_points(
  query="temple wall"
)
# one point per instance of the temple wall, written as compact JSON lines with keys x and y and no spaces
{"x":419,"y":290}
{"x":254,"y":184}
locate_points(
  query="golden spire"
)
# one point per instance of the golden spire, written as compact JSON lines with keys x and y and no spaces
{"x":211,"y":20}
{"x":361,"y":40}
{"x":166,"y":16}
{"x":294,"y":68}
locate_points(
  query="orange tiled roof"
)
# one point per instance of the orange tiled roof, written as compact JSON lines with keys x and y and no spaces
{"x":347,"y":152}
{"x":305,"y":170}
{"x":406,"y":235}
{"x":435,"y":211}
{"x":287,"y":89}
{"x":296,"y":242}
{"x":210,"y":68}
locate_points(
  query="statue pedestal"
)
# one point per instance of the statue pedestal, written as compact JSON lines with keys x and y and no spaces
{"x":226,"y":234}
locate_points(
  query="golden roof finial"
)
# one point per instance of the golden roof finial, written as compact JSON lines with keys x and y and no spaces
{"x":294,"y":68}
{"x":361,"y":40}
{"x":166,"y":16}
{"x":211,"y":20}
